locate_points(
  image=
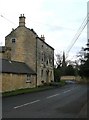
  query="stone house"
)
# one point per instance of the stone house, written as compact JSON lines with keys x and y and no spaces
{"x":24,"y":48}
{"x":16,"y":75}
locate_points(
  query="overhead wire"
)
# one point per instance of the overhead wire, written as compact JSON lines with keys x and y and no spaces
{"x":76,"y":36}
{"x":7,"y":19}
{"x":81,"y":28}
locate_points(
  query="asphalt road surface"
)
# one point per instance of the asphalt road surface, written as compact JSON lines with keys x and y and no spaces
{"x":69,"y":101}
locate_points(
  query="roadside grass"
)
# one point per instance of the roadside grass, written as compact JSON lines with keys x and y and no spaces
{"x":59,"y":84}
{"x":26,"y":90}
{"x":36,"y":89}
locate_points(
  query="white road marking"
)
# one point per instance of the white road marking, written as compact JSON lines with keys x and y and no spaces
{"x":58,"y":94}
{"x":67,"y":91}
{"x":52,"y":96}
{"x":26,"y":104}
{"x":40,"y":100}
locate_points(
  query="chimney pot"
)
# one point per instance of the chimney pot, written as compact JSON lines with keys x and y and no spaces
{"x":22,"y":20}
{"x":42,"y":37}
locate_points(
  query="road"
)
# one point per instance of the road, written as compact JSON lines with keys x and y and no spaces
{"x":69,"y":101}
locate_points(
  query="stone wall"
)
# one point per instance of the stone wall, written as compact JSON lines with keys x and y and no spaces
{"x":28,"y":48}
{"x":23,"y":46}
{"x":68,"y":77}
{"x":0,"y":82}
{"x":16,"y":81}
{"x":34,"y":52}
{"x":45,"y":62}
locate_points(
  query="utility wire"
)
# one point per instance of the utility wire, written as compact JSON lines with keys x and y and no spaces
{"x":75,"y":37}
{"x":7,"y":19}
{"x":81,"y":28}
{"x":83,"y":25}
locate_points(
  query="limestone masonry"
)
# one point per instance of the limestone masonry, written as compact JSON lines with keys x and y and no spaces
{"x":24,"y":46}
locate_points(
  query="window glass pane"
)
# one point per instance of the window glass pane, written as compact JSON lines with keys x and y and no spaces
{"x":13,"y":40}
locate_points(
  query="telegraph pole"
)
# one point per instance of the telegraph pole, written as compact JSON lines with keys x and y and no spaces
{"x":88,"y":24}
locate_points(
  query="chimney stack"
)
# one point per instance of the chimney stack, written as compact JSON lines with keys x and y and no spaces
{"x":22,"y":20}
{"x":42,"y":37}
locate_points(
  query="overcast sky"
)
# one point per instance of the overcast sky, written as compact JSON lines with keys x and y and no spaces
{"x":58,"y":20}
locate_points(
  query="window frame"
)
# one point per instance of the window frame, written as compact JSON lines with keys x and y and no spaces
{"x":28,"y":79}
{"x":13,"y":40}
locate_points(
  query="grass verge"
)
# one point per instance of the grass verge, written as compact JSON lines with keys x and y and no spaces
{"x":26,"y":90}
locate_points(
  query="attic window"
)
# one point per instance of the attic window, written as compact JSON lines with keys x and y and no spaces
{"x":13,"y":40}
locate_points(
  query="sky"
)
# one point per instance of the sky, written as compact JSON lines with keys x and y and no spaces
{"x":57,"y":20}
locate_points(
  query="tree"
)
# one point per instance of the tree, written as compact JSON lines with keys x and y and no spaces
{"x":70,"y":70}
{"x":62,"y":68}
{"x":58,"y":60}
{"x":84,"y":66}
{"x":57,"y":74}
{"x":58,"y":68}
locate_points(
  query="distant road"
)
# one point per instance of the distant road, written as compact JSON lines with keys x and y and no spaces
{"x":69,"y":101}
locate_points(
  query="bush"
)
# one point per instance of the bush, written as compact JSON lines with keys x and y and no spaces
{"x":57,"y":75}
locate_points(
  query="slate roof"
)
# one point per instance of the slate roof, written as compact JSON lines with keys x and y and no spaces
{"x":16,"y":67}
{"x":45,"y":42}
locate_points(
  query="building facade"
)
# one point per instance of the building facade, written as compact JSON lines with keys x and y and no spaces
{"x":45,"y":61}
{"x":23,"y":45}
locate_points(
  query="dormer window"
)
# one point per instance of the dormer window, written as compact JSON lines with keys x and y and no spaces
{"x":13,"y":40}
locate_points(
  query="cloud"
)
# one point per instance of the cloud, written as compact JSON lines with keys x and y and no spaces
{"x":55,"y":28}
{"x":58,"y":20}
